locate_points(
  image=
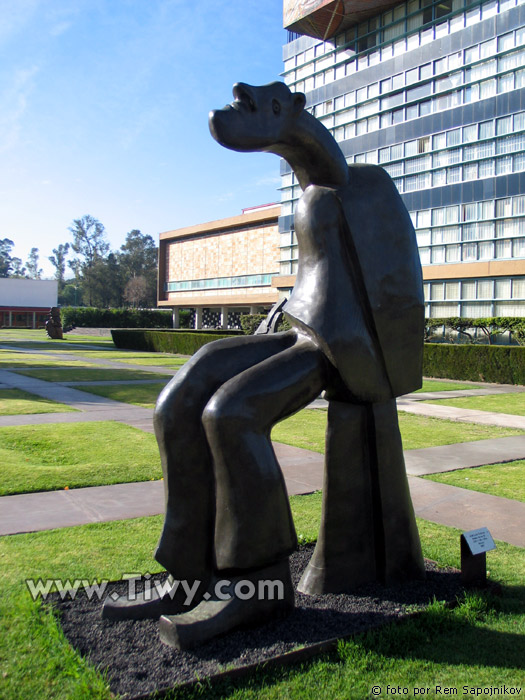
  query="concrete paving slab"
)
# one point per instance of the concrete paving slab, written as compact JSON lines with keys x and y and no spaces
{"x":460,"y":393}
{"x":55,"y":509}
{"x":463,"y":455}
{"x":504,"y":420}
{"x":136,"y":418}
{"x":469,"y":510}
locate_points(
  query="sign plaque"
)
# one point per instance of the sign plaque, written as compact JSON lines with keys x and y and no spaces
{"x":474,"y":545}
{"x":479,"y":540}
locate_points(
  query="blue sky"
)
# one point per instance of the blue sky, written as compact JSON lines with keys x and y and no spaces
{"x":104,"y":107}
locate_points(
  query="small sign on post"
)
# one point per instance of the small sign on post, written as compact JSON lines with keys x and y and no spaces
{"x":474,"y":545}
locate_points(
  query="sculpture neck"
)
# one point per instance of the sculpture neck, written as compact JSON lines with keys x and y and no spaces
{"x":314,"y":154}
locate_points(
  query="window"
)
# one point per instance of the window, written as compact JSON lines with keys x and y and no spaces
{"x":470,"y":133}
{"x":486,"y":130}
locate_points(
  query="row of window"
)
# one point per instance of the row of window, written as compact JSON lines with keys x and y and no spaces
{"x":475,"y":309}
{"x":322,"y":64}
{"x":472,"y":252}
{"x":220,"y":283}
{"x":355,"y":122}
{"x":446,"y":70}
{"x":505,"y":288}
{"x":473,"y":171}
{"x":485,"y":210}
{"x":476,"y":298}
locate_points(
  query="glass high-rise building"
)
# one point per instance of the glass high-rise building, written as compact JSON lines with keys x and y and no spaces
{"x":434,"y":92}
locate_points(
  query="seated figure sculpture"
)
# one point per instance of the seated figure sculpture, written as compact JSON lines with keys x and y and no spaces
{"x":356,"y":313}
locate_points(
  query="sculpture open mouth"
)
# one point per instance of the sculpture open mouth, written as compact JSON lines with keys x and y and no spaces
{"x":243,"y":99}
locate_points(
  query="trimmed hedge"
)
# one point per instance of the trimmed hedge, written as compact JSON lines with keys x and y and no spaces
{"x":251,"y":322}
{"x":184,"y":342}
{"x":91,"y":317}
{"x":503,"y":364}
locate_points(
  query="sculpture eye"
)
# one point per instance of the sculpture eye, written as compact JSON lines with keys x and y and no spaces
{"x":276,"y":107}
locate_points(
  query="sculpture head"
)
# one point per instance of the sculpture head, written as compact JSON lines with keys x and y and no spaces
{"x":259,"y":118}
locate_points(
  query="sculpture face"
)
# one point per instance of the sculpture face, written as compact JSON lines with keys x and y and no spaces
{"x":258,"y":118}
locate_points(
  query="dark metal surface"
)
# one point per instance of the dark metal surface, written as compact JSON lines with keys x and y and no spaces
{"x":357,"y":332}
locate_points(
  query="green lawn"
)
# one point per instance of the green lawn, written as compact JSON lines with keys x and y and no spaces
{"x":56,"y":456}
{"x":15,"y":402}
{"x":96,"y":374}
{"x":506,"y":480}
{"x":307,"y":429}
{"x":144,"y":395}
{"x":497,"y":403}
{"x":13,"y":360}
{"x":481,"y":643}
{"x":137,"y":358}
{"x":436,"y":385}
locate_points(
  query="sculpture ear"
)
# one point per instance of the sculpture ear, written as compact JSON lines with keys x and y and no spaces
{"x":299,"y":101}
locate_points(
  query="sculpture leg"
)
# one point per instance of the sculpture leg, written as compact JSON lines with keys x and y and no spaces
{"x":185,"y":547}
{"x":368,"y":530}
{"x":254,"y":532}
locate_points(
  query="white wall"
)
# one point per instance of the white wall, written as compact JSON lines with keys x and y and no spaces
{"x":33,"y":293}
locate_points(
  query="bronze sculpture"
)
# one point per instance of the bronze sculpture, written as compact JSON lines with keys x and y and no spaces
{"x":357,"y":327}
{"x":53,"y":324}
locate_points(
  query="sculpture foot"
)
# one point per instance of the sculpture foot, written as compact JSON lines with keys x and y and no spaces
{"x":151,"y":605}
{"x":273,"y":596}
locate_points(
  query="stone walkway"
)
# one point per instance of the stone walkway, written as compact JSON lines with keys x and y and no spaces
{"x":303,"y":469}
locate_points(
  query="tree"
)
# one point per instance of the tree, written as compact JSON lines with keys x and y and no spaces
{"x":17,"y":269}
{"x":89,"y":241}
{"x":71,"y":294}
{"x":103,"y":282}
{"x":33,"y":271}
{"x":138,"y":258}
{"x":6,"y":262}
{"x":58,"y":260}
{"x":136,"y":290}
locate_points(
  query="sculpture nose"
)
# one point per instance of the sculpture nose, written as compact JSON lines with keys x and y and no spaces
{"x":243,"y":94}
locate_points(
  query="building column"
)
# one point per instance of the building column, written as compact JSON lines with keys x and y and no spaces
{"x":34,"y":319}
{"x":175,"y":318}
{"x":224,"y":317}
{"x":10,"y":319}
{"x":254,"y":309}
{"x":198,"y":317}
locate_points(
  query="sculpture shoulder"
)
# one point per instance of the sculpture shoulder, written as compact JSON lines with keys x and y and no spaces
{"x":366,"y":174}
{"x":319,"y":201}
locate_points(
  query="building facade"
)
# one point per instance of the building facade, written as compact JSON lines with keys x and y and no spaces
{"x":434,"y":92}
{"x":26,"y":303}
{"x":221,"y":269}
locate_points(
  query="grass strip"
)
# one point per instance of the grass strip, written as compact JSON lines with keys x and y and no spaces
{"x":57,"y":456}
{"x":479,"y":644}
{"x":89,"y":375}
{"x":17,"y":360}
{"x":15,"y":402}
{"x":436,"y":385}
{"x":512,"y":403}
{"x":506,"y":480}
{"x":144,"y":395}
{"x":307,"y":429}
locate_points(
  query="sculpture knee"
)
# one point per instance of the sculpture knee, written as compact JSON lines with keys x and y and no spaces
{"x":224,"y":417}
{"x":177,"y":403}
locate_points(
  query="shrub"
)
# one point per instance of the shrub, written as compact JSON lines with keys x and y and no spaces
{"x":251,"y":322}
{"x":176,"y":341}
{"x":504,"y":364}
{"x":90,"y":317}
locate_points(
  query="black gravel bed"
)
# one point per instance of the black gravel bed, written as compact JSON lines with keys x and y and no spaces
{"x":138,"y":663}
